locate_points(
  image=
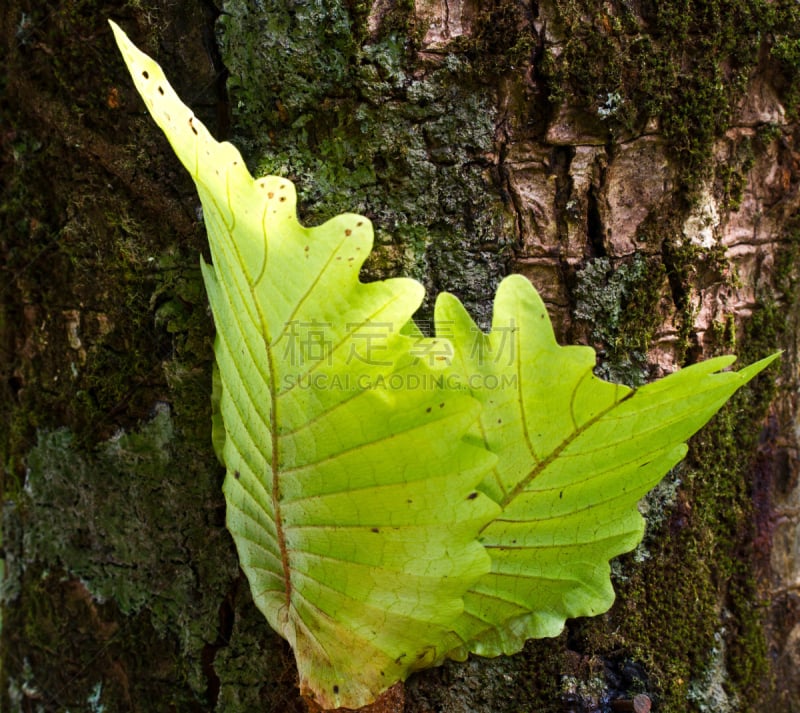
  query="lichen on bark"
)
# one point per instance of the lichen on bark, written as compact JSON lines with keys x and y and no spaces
{"x":361,"y":123}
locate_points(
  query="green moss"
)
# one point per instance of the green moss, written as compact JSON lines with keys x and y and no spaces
{"x":501,"y":39}
{"x":786,"y":261}
{"x":731,"y":176}
{"x":685,"y":62}
{"x":722,"y":506}
{"x":786,"y":50}
{"x":710,"y":531}
{"x":667,"y":618}
{"x":100,"y":273}
{"x":620,"y":307}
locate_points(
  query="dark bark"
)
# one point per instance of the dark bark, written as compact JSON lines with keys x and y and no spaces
{"x":636,"y":160}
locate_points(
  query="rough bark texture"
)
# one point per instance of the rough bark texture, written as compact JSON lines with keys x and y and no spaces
{"x":637,"y":160}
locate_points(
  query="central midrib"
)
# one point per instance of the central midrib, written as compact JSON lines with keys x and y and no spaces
{"x":275,"y":461}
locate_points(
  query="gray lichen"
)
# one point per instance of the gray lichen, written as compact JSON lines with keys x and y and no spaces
{"x":367,"y":127}
{"x":126,"y":531}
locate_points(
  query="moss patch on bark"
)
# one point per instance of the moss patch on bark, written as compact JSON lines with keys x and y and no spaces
{"x":362,"y":125}
{"x":686,"y":63}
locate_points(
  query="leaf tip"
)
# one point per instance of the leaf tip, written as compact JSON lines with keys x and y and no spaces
{"x":755,"y":368}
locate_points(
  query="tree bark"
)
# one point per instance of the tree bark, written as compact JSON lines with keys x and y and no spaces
{"x":637,"y":161}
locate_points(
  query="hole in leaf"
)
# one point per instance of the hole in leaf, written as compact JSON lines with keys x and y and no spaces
{"x":146,"y":75}
{"x":161,"y":90}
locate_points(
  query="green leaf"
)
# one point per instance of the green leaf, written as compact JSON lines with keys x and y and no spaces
{"x":575,"y":455}
{"x":335,"y":472}
{"x":394,"y":499}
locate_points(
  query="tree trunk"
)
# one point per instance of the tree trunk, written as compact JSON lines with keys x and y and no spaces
{"x":636,"y":160}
